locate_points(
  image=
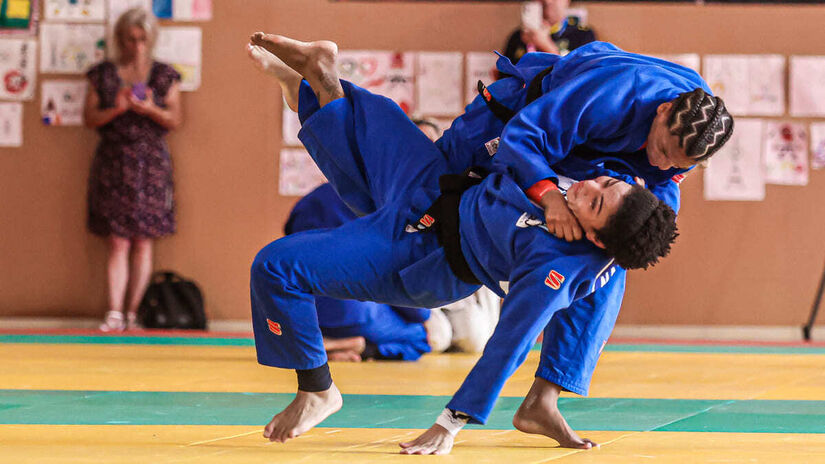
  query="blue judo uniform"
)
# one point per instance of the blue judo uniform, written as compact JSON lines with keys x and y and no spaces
{"x":596,"y":105}
{"x":381,"y":164}
{"x":394,"y":332}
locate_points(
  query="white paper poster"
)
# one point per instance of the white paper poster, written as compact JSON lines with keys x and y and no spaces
{"x":688,"y":60}
{"x":807,"y":85}
{"x":298,"y":173}
{"x":192,"y":10}
{"x":11,"y":124}
{"x":366,"y":69}
{"x":399,"y":85}
{"x":818,"y":145}
{"x":291,"y":125}
{"x":390,"y":74}
{"x":735,"y":172}
{"x":438,"y":83}
{"x":481,"y":66}
{"x":70,"y":48}
{"x":75,"y":10}
{"x":61,"y":102}
{"x":118,"y":7}
{"x":750,"y":84}
{"x":180,"y":47}
{"x":786,"y":153}
{"x":17,"y":69}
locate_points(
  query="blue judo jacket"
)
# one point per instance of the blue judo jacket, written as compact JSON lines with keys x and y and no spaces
{"x":509,"y":250}
{"x":598,"y":100}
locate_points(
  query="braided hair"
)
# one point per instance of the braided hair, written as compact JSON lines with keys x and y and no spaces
{"x":702,"y":123}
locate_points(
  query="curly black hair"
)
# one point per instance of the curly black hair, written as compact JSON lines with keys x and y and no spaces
{"x":640,"y":232}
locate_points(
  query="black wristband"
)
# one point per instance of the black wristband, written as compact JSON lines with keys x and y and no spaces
{"x":314,"y":380}
{"x":459,"y":415}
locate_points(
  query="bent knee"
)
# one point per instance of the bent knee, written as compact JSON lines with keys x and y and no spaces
{"x":270,"y":262}
{"x":119,"y":244}
{"x":279,"y":266}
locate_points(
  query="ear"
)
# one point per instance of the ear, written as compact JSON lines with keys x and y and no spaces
{"x":664,"y":108}
{"x":592,"y":237}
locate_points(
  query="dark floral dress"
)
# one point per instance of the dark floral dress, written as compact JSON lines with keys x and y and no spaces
{"x":130,"y":183}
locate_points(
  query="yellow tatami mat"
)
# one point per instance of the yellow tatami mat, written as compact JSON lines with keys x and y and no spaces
{"x":111,"y":402}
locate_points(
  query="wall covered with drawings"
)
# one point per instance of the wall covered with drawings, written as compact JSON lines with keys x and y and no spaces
{"x":750,"y":250}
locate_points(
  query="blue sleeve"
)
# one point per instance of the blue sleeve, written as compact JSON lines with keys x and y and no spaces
{"x":669,"y":190}
{"x":539,"y":286}
{"x":669,"y":193}
{"x":544,"y":132}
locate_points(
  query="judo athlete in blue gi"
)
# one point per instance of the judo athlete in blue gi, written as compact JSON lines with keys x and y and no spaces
{"x":383,"y":167}
{"x":636,"y":115}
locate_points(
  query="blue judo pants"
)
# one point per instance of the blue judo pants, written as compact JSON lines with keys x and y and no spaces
{"x":369,"y":259}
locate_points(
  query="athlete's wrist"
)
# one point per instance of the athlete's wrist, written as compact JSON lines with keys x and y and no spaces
{"x":452,"y":421}
{"x":538,"y":190}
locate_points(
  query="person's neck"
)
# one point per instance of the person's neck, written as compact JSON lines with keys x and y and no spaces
{"x":134,"y":70}
{"x":138,"y":63}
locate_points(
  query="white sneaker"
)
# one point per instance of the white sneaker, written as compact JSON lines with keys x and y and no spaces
{"x":113,"y":322}
{"x":439,"y":331}
{"x":473,"y":320}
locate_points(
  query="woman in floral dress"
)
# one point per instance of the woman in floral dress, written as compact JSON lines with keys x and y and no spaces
{"x":133,"y":102}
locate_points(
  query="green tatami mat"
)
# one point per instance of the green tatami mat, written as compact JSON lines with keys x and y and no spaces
{"x":397,"y":411}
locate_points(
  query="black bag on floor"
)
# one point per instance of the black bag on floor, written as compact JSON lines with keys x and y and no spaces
{"x":172,"y":302}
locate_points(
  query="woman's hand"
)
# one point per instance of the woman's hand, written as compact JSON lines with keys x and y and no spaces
{"x":122,"y":103}
{"x":143,"y":107}
{"x":540,"y":38}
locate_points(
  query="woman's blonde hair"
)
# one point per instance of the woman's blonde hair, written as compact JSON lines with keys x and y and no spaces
{"x":134,"y":17}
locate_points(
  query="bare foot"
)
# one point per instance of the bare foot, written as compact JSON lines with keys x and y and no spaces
{"x":287,"y":77}
{"x":436,"y":440}
{"x":306,"y":411}
{"x":344,"y":356}
{"x":356,"y":344}
{"x":539,"y":414}
{"x":313,"y":60}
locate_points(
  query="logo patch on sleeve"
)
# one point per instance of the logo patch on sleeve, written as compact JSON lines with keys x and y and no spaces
{"x":554,"y":280}
{"x":678,"y":178}
{"x":274,"y":327}
{"x":492,"y":146}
